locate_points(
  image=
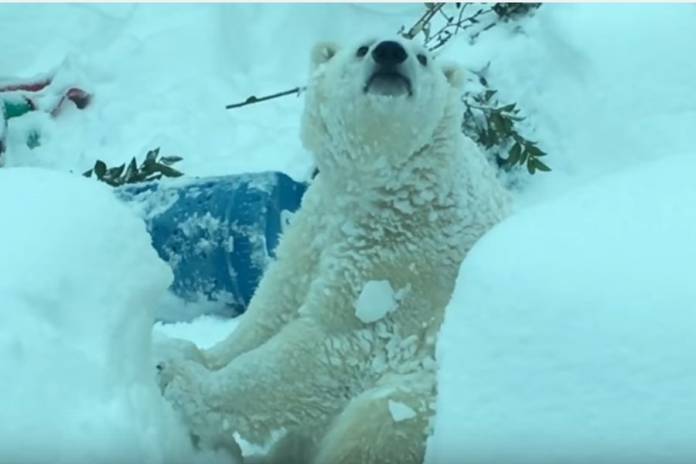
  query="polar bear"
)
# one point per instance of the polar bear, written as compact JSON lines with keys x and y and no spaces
{"x":400,"y":197}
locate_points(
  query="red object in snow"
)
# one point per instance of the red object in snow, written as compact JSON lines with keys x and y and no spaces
{"x":27,"y":87}
{"x":78,"y":96}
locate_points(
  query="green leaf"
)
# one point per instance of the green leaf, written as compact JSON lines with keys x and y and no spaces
{"x":539,"y":165}
{"x":117,"y":171}
{"x":169,"y":160}
{"x":168,"y":171}
{"x":150,"y":160}
{"x":525,"y":156}
{"x":508,"y":108}
{"x":99,"y":169}
{"x":87,"y":173}
{"x":535,"y":151}
{"x":530,"y":166}
{"x":151,"y":155}
{"x":513,"y":155}
{"x":131,"y":171}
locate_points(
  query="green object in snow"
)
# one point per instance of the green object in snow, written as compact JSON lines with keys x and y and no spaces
{"x":33,"y":139}
{"x":16,"y":107}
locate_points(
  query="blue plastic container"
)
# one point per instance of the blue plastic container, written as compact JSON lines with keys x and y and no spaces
{"x":217,"y":233}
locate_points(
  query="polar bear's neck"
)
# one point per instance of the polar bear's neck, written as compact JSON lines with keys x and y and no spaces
{"x":421,"y":177}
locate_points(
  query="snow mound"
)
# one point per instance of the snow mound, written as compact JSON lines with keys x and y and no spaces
{"x":78,"y":278}
{"x":375,"y":300}
{"x":570,"y":335}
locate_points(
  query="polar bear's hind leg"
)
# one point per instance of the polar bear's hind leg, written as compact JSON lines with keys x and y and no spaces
{"x":385,"y":425}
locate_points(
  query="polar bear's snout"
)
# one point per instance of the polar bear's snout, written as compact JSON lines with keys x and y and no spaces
{"x":389,"y":77}
{"x":389,"y":53}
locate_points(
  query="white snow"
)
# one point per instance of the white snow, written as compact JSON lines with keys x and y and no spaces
{"x":375,"y":301}
{"x":400,"y":411}
{"x":568,"y":336}
{"x":604,"y":86}
{"x":78,"y":279}
{"x":204,"y":331}
{"x":162,"y":75}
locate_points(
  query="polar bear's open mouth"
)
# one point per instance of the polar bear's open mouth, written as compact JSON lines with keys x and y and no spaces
{"x":388,"y":83}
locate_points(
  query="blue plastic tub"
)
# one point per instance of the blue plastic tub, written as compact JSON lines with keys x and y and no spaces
{"x":217,"y":233}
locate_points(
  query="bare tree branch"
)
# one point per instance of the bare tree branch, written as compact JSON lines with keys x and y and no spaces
{"x":453,"y":25}
{"x":253,"y":99}
{"x":432,"y":10}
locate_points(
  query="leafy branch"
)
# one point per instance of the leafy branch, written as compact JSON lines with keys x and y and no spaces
{"x":488,"y":122}
{"x":153,"y":168}
{"x":493,"y":126}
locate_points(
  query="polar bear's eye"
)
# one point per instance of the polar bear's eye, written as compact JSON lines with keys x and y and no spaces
{"x":362,"y":51}
{"x":422,"y":59}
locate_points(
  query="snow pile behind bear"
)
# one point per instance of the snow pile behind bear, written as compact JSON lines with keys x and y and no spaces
{"x":78,"y":278}
{"x":570,"y":335}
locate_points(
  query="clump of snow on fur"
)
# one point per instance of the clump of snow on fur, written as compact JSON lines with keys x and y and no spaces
{"x":376,"y":300}
{"x":400,"y":412}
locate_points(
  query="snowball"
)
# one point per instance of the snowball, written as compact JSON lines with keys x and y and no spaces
{"x":78,"y":280}
{"x":578,"y":346}
{"x":400,"y":412}
{"x":375,"y":301}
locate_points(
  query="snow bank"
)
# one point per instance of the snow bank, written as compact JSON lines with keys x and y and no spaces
{"x":161,"y":76}
{"x":602,"y":86}
{"x":78,"y":278}
{"x":570,"y":336}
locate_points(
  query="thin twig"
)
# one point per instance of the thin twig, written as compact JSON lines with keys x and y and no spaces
{"x":425,"y":19}
{"x":432,"y":41}
{"x":460,"y":24}
{"x":253,"y":99}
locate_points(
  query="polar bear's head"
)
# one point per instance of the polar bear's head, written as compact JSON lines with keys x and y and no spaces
{"x":371,"y":106}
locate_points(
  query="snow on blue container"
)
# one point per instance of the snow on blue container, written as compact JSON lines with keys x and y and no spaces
{"x":217,"y":233}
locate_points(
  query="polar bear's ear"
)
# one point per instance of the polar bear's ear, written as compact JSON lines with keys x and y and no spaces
{"x":323,"y":52}
{"x":454,"y":75}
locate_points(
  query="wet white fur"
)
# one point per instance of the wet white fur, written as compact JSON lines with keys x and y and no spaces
{"x":401,"y":196}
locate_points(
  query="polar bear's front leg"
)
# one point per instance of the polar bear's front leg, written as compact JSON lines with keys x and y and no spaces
{"x":281,"y":291}
{"x":289,"y":381}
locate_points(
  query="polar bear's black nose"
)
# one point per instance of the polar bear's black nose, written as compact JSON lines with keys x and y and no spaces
{"x":389,"y":53}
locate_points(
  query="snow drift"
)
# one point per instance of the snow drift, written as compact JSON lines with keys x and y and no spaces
{"x":78,"y":279}
{"x":570,"y":336}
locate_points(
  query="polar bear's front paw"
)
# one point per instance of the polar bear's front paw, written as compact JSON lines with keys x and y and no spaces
{"x":170,"y":354}
{"x":184,"y":384}
{"x":179,"y":375}
{"x":164,"y":374}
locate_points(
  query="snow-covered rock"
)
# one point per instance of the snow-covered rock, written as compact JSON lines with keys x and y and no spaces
{"x":570,"y":336}
{"x":78,"y":280}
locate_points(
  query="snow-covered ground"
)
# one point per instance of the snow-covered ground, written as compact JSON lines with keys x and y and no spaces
{"x":567,"y":339}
